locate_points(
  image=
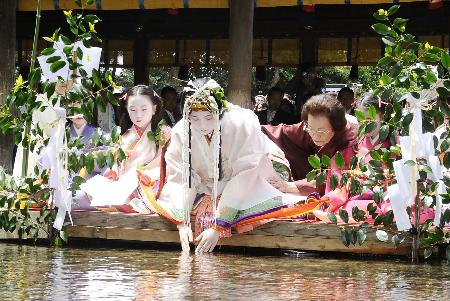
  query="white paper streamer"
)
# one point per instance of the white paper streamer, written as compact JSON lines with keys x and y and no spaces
{"x":90,"y":61}
{"x":54,"y":157}
{"x":398,"y":204}
{"x":438,"y":209}
{"x":405,"y":180}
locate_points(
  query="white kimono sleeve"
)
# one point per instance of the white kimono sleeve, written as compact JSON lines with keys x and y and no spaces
{"x":247,"y":151}
{"x":171,"y":197}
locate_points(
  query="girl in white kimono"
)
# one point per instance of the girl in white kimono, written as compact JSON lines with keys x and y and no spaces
{"x":143,"y":145}
{"x":217,"y":169}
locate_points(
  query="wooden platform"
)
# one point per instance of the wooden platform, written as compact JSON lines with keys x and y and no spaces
{"x":304,"y":236}
{"x":279,"y":234}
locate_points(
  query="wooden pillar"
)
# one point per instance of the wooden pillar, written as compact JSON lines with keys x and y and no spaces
{"x":309,"y":53}
{"x":7,"y":68}
{"x":241,"y":41}
{"x":140,"y":61}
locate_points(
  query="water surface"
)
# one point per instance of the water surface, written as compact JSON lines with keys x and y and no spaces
{"x":41,"y":273}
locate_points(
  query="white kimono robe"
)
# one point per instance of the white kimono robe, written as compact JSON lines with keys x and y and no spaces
{"x":245,"y":192}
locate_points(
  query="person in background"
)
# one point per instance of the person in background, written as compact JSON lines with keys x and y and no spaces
{"x":80,"y":128}
{"x":346,"y":97}
{"x":107,"y":120}
{"x":304,"y":84}
{"x":323,"y":131}
{"x":171,"y":113}
{"x":279,"y":110}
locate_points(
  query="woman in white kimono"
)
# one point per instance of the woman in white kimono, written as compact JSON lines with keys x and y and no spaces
{"x":143,"y":144}
{"x":217,"y":169}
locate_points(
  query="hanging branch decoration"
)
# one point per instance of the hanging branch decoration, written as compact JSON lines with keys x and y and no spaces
{"x":67,"y":83}
{"x":408,"y":173}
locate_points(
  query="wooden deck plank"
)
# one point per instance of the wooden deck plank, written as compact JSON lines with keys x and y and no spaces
{"x":304,"y":236}
{"x":277,"y":234}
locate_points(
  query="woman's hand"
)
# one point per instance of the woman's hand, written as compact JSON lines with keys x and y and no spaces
{"x":208,"y":240}
{"x":283,"y":186}
{"x":110,"y":174}
{"x":186,"y":237}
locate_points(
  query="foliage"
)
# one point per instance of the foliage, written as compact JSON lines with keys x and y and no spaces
{"x":37,"y":95}
{"x":406,"y":69}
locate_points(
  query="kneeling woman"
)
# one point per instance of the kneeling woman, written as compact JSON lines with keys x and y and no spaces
{"x":140,"y":170}
{"x":218,"y":154}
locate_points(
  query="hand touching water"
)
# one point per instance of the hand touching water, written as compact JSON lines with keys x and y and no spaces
{"x":186,"y":237}
{"x":207,"y":240}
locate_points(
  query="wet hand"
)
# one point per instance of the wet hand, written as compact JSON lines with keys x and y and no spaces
{"x":207,"y":241}
{"x":186,"y":237}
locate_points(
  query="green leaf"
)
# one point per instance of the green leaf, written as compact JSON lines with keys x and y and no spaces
{"x":101,"y":159}
{"x":99,"y":102}
{"x":345,"y":238}
{"x":326,"y":161}
{"x":427,"y":253}
{"x":447,"y":84}
{"x":381,"y":29}
{"x":79,"y":53}
{"x":372,"y":112}
{"x":63,"y":236}
{"x":447,"y":160}
{"x":112,"y":99}
{"x":370,"y":127}
{"x":445,"y":59}
{"x":343,"y":215}
{"x":96,"y":78}
{"x":386,"y":60}
{"x":321,"y":178}
{"x":90,"y":2}
{"x":314,"y":161}
{"x":360,"y":115}
{"x":115,"y":134}
{"x":332,"y":217}
{"x":396,"y":69}
{"x":430,"y":78}
{"x":353,"y":162}
{"x":407,"y":119}
{"x":65,"y":40}
{"x":339,"y":160}
{"x":400,"y":22}
{"x":396,"y":240}
{"x":90,"y":163}
{"x":309,"y":176}
{"x":361,"y":236}
{"x":443,"y":92}
{"x":121,"y":155}
{"x":381,"y":17}
{"x":56,"y":66}
{"x":53,"y":59}
{"x":91,"y":19}
{"x":334,"y":181}
{"x":389,"y":41}
{"x":361,"y":130}
{"x":48,"y":51}
{"x":432,"y":57}
{"x":382,"y":235}
{"x":393,"y":9}
{"x":384,"y":132}
{"x":68,"y":50}
{"x":344,"y":179}
{"x":110,"y":159}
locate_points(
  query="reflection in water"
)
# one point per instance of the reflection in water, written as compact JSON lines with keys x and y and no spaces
{"x":37,"y":273}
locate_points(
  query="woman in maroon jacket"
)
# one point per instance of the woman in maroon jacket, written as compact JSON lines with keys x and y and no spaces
{"x":322,"y":131}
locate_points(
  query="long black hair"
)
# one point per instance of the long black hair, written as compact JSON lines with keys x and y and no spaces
{"x":125,"y":121}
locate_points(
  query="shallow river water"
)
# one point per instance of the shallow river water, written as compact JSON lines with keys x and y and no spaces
{"x":41,"y":273}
